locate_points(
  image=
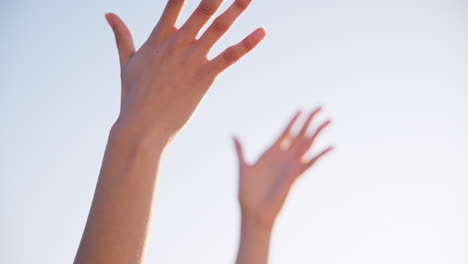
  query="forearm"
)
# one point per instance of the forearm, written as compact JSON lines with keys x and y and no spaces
{"x":254,"y":243}
{"x":119,"y":218}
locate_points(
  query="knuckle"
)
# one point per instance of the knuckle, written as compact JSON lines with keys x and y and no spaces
{"x":175,"y":2}
{"x":176,"y":39}
{"x":169,"y":46}
{"x":242,"y":4}
{"x":248,"y":43}
{"x":206,"y":8}
{"x":230,"y":56}
{"x":219,"y":27}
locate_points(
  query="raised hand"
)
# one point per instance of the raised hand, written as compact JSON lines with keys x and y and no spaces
{"x":162,"y":84}
{"x":165,"y":80}
{"x":264,"y":185}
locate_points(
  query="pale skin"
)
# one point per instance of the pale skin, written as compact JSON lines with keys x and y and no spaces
{"x":163,"y":82}
{"x":265,"y":184}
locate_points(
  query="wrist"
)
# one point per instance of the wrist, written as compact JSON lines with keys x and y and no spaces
{"x":261,"y":219}
{"x":255,"y":225}
{"x":254,"y":242}
{"x":130,"y":136}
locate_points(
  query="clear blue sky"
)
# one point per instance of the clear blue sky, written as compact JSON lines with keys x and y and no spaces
{"x":392,"y":74}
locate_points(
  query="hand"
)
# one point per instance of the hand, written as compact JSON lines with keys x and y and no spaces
{"x":165,"y":80}
{"x":264,"y":185}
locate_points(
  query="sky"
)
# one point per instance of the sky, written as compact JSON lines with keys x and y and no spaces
{"x":391,"y":74}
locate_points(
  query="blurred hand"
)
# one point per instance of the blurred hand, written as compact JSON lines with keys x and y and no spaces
{"x":264,"y":185}
{"x":165,"y":80}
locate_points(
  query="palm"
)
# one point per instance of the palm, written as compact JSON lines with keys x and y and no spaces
{"x":264,"y":185}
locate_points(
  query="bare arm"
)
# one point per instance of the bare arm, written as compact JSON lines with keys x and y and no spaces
{"x":162,"y":85}
{"x":264,"y":187}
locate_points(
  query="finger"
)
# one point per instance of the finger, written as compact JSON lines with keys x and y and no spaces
{"x":167,"y":22}
{"x":300,"y":136}
{"x":234,"y":53}
{"x":221,"y":25}
{"x":239,"y":151}
{"x":198,"y":19}
{"x":123,"y":38}
{"x":311,"y":162}
{"x":286,"y":132}
{"x":307,"y":143}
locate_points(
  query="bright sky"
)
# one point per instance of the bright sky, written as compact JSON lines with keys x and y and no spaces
{"x":391,"y":74}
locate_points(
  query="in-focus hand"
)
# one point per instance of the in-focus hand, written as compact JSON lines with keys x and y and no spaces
{"x":264,"y":185}
{"x":165,"y":80}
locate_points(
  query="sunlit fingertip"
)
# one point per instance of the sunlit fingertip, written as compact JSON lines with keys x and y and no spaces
{"x":325,"y":151}
{"x":316,"y":110}
{"x":259,"y":34}
{"x":299,"y":112}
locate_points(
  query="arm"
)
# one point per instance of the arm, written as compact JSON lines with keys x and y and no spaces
{"x":264,"y":186}
{"x":162,"y":85}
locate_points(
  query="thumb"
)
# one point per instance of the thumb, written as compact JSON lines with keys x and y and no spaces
{"x":240,"y":151}
{"x":122,"y":37}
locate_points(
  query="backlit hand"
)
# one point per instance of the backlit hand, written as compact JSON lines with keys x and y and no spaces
{"x":165,"y":80}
